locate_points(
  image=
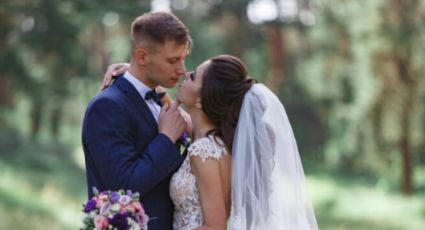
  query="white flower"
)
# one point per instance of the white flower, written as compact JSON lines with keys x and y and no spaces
{"x":115,"y":207}
{"x":104,"y":209}
{"x":92,"y":214}
{"x":83,"y":216}
{"x":124,"y":199}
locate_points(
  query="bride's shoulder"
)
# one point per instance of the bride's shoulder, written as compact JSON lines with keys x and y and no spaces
{"x":208,"y":147}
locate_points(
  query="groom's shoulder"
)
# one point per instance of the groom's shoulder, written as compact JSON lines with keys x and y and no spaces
{"x":109,"y":96}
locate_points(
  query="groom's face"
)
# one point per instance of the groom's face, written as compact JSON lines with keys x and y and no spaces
{"x":166,"y":63}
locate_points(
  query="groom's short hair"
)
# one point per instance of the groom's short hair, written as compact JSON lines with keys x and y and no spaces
{"x":158,"y":27}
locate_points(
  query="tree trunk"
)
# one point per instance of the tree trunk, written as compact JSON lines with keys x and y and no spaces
{"x":405,"y":144}
{"x":235,"y":35}
{"x":403,"y":66}
{"x":6,"y":92}
{"x":36,"y":116}
{"x":55,"y":121}
{"x":402,"y":57}
{"x":276,"y":56}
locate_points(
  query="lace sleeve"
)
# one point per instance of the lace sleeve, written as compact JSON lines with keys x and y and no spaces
{"x":207,"y":147}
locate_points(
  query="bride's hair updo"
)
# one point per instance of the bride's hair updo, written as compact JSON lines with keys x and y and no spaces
{"x":224,"y":85}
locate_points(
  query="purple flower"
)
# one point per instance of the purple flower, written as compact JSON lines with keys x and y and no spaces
{"x":184,"y":140}
{"x":90,"y":206}
{"x":95,"y":191}
{"x":114,"y":197}
{"x":183,"y":137}
{"x":119,"y":221}
{"x":105,"y":193}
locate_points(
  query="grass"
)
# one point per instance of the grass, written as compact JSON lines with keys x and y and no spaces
{"x":43,"y":187}
{"x":40,"y":188}
{"x":347,"y":202}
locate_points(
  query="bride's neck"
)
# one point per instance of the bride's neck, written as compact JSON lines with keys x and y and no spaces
{"x":201,"y":124}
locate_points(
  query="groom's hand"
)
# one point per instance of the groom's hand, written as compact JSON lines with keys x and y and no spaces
{"x":171,"y":122}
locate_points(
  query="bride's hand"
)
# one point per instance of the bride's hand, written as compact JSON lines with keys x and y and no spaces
{"x":166,"y":99}
{"x":112,"y":72}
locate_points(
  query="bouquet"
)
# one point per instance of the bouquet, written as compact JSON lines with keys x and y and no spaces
{"x":114,"y":210}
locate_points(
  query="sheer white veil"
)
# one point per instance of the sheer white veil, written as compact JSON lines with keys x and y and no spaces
{"x":268,"y":182}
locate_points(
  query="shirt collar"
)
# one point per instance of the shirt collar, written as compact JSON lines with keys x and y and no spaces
{"x":141,"y":88}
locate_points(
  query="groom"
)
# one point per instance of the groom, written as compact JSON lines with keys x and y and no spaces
{"x":129,"y":141}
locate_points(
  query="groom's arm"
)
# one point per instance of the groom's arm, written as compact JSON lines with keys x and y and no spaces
{"x":111,"y":144}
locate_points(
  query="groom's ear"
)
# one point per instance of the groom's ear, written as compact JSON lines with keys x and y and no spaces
{"x":141,"y":56}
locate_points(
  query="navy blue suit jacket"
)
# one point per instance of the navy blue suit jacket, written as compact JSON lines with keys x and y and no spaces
{"x":123,"y":150}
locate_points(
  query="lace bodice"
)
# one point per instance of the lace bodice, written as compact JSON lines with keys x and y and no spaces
{"x":183,"y":189}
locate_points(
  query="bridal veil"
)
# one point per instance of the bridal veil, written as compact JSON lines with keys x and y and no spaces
{"x":268,"y":183}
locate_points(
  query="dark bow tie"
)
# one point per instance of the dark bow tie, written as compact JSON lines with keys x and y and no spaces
{"x":156,"y":97}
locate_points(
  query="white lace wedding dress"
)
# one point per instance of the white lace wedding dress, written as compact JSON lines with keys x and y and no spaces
{"x":183,"y":189}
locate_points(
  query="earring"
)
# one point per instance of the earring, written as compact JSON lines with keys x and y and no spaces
{"x":198,"y":104}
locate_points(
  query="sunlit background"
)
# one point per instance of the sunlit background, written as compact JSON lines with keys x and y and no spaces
{"x":350,"y":74}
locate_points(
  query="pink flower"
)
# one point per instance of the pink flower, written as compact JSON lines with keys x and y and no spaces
{"x":101,"y":222}
{"x":126,"y":208}
{"x":101,"y":199}
{"x":137,"y":206}
{"x":142,"y":220}
{"x":100,"y":203}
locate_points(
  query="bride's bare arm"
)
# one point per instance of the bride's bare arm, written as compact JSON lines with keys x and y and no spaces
{"x":210,"y":187}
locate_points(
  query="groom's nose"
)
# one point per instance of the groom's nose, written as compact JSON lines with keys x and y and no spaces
{"x":181,"y":69}
{"x":186,"y":75}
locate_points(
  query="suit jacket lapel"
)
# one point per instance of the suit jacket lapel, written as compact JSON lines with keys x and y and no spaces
{"x":137,"y":100}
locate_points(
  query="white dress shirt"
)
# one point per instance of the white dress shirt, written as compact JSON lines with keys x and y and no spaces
{"x":142,"y":89}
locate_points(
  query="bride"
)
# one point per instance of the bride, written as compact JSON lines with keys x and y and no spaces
{"x":243,"y":165}
{"x":244,"y":162}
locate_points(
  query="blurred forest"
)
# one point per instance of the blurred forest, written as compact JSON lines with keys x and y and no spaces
{"x":350,"y":74}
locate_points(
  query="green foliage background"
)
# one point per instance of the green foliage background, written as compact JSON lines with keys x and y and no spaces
{"x":353,"y":86}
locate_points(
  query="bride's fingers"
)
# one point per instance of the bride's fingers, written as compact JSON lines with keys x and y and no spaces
{"x":113,"y":71}
{"x":103,"y":85}
{"x":165,"y":108}
{"x":167,"y":99}
{"x":120,"y":70}
{"x":107,"y":78}
{"x":106,"y":82}
{"x":176,"y":104}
